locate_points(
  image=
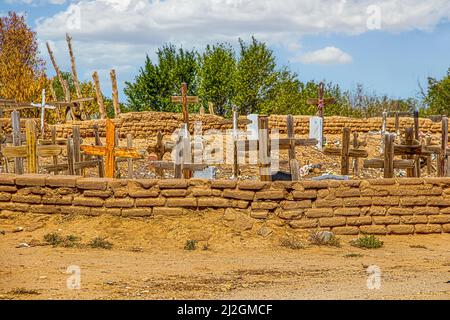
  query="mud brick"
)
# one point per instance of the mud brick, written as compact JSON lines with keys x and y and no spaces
{"x":437,"y":181}
{"x":216,"y":192}
{"x":318,"y":184}
{"x":31,"y":180}
{"x":289,"y":214}
{"x":306,"y":194}
{"x":403,"y":191}
{"x":382,"y":182}
{"x":7,"y":179}
{"x":345,"y":230}
{"x":238,"y":194}
{"x":351,"y":211}
{"x":386,"y":220}
{"x":414,"y":219}
{"x":110,"y":211}
{"x":400,"y":211}
{"x":241,"y":204}
{"x":92,"y":183}
{"x":319,"y":212}
{"x":181,"y":202}
{"x":435,"y":191}
{"x":444,"y":210}
{"x":413,"y":201}
{"x":252,"y":185}
{"x":214,"y":202}
{"x":145,"y":183}
{"x":325,"y":194}
{"x":266,"y":205}
{"x":439,"y":202}
{"x":359,"y":221}
{"x":347,"y":192}
{"x":329,"y":203}
{"x":97,"y":193}
{"x":163,"y":211}
{"x":369,"y":192}
{"x":223,"y":184}
{"x":11,"y":206}
{"x":120,"y":192}
{"x":270,"y":195}
{"x":199,"y":182}
{"x":151,"y":202}
{"x":400,"y":229}
{"x":61,"y":200}
{"x":260,"y":214}
{"x":119,"y":203}
{"x":88,"y":202}
{"x":143,"y":193}
{"x":283,"y":185}
{"x":357,"y":202}
{"x":385,"y":201}
{"x":351,"y":183}
{"x":373,"y":229}
{"x":439,"y":219}
{"x":426,"y":210}
{"x":137,"y":212}
{"x":86,"y":211}
{"x":5,"y":196}
{"x":33,"y":199}
{"x":428,"y":228}
{"x":200,"y":192}
{"x":304,"y":224}
{"x":62,"y":181}
{"x":410,"y":181}
{"x":290,"y":205}
{"x":114,"y":184}
{"x":44,"y":209}
{"x":11,"y":189}
{"x":66,"y":191}
{"x":173,"y":184}
{"x":446,"y":228}
{"x":174,"y":193}
{"x":332,"y":222}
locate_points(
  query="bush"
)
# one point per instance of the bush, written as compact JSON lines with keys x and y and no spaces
{"x":190,"y":245}
{"x":56,"y":240}
{"x":324,"y":238}
{"x":292,"y":243}
{"x":367,"y":242}
{"x":100,"y":243}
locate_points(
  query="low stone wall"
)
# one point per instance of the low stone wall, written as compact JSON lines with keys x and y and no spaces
{"x":388,"y":206}
{"x":147,"y":124}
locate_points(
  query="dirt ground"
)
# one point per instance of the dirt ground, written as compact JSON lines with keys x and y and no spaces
{"x":148,"y":260}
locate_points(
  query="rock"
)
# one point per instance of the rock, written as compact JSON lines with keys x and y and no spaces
{"x":23,"y":245}
{"x":325,"y":236}
{"x":42,"y":277}
{"x":265,"y":231}
{"x":242,"y":223}
{"x":18,"y":229}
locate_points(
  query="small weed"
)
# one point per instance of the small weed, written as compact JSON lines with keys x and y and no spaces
{"x":190,"y":245}
{"x":418,"y":247}
{"x":321,"y":238}
{"x":353,"y":255}
{"x":23,"y":291}
{"x":56,"y":240}
{"x":367,"y":242}
{"x":292,"y":243}
{"x":206,"y":247}
{"x":100,"y":243}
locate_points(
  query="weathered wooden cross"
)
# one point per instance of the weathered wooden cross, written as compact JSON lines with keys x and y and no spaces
{"x":43,"y":106}
{"x":111,"y":151}
{"x":346,"y":152}
{"x":185,"y":101}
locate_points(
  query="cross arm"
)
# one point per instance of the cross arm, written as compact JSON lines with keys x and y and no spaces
{"x":94,"y":150}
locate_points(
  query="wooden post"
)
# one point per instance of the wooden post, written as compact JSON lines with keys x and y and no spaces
{"x":178,"y":157}
{"x":32,"y":163}
{"x":16,"y":137}
{"x":444,"y":143}
{"x":76,"y":147}
{"x":235,"y":143}
{"x":264,"y":149}
{"x":293,"y":163}
{"x":53,"y":134}
{"x":101,"y":166}
{"x":345,"y":161}
{"x":70,"y":157}
{"x":130,"y":161}
{"x":409,"y":141}
{"x":74,"y":73}
{"x":389,"y":155}
{"x":184,"y":103}
{"x":429,"y":166}
{"x":58,"y":73}
{"x":397,"y":123}
{"x":355,"y":160}
{"x":160,"y":150}
{"x":115,"y":92}
{"x":98,"y":92}
{"x":416,"y":125}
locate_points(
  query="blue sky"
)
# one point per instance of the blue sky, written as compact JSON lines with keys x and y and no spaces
{"x":322,"y":39}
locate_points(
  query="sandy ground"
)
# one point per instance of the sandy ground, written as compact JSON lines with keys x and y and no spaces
{"x":148,"y":261}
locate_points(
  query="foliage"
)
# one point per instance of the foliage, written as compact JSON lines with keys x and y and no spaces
{"x":100,"y":243}
{"x":22,"y":75}
{"x":367,"y":242}
{"x":438,"y":96}
{"x":56,"y":240}
{"x":292,"y":242}
{"x":190,"y":245}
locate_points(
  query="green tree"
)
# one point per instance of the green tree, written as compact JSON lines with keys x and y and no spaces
{"x":438,"y":96}
{"x":216,"y":76}
{"x":255,"y":76}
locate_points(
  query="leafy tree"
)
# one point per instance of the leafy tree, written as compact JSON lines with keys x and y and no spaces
{"x":438,"y":95}
{"x":255,"y":76}
{"x":216,"y":76}
{"x":22,"y":74}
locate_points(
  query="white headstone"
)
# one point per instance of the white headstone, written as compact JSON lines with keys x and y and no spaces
{"x":253,"y":127}
{"x":316,"y":130}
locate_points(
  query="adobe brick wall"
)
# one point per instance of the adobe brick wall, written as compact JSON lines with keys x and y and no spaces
{"x":145,"y":124}
{"x":388,"y":206}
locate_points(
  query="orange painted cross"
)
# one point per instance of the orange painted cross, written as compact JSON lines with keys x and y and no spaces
{"x":185,"y":101}
{"x":111,"y":151}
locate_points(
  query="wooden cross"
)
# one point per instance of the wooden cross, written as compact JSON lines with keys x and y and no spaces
{"x":31,"y":151}
{"x":43,"y":106}
{"x":346,"y":152}
{"x":321,"y":101}
{"x":111,"y":151}
{"x":185,"y":101}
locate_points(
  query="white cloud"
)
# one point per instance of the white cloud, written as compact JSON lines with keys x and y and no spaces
{"x":325,"y":56}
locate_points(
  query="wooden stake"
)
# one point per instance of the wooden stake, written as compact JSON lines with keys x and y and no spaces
{"x":444,"y":143}
{"x":31,"y":133}
{"x":74,"y":73}
{"x":389,"y":155}
{"x":355,"y":160}
{"x":98,"y":92}
{"x":115,"y":92}
{"x":59,"y":74}
{"x":130,"y":161}
{"x":53,"y":133}
{"x":17,"y":140}
{"x":101,"y":166}
{"x":345,"y":161}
